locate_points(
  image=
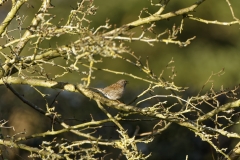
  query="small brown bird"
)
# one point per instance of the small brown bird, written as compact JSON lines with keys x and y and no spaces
{"x":114,"y":91}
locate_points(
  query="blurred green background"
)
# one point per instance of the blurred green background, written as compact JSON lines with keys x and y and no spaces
{"x":215,"y":47}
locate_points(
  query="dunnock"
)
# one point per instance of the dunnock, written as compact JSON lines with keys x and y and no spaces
{"x":114,"y":91}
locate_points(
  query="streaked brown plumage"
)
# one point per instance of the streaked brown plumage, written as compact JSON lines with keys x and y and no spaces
{"x":114,"y":91}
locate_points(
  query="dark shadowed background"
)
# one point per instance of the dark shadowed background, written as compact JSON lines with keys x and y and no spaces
{"x":215,"y":48}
